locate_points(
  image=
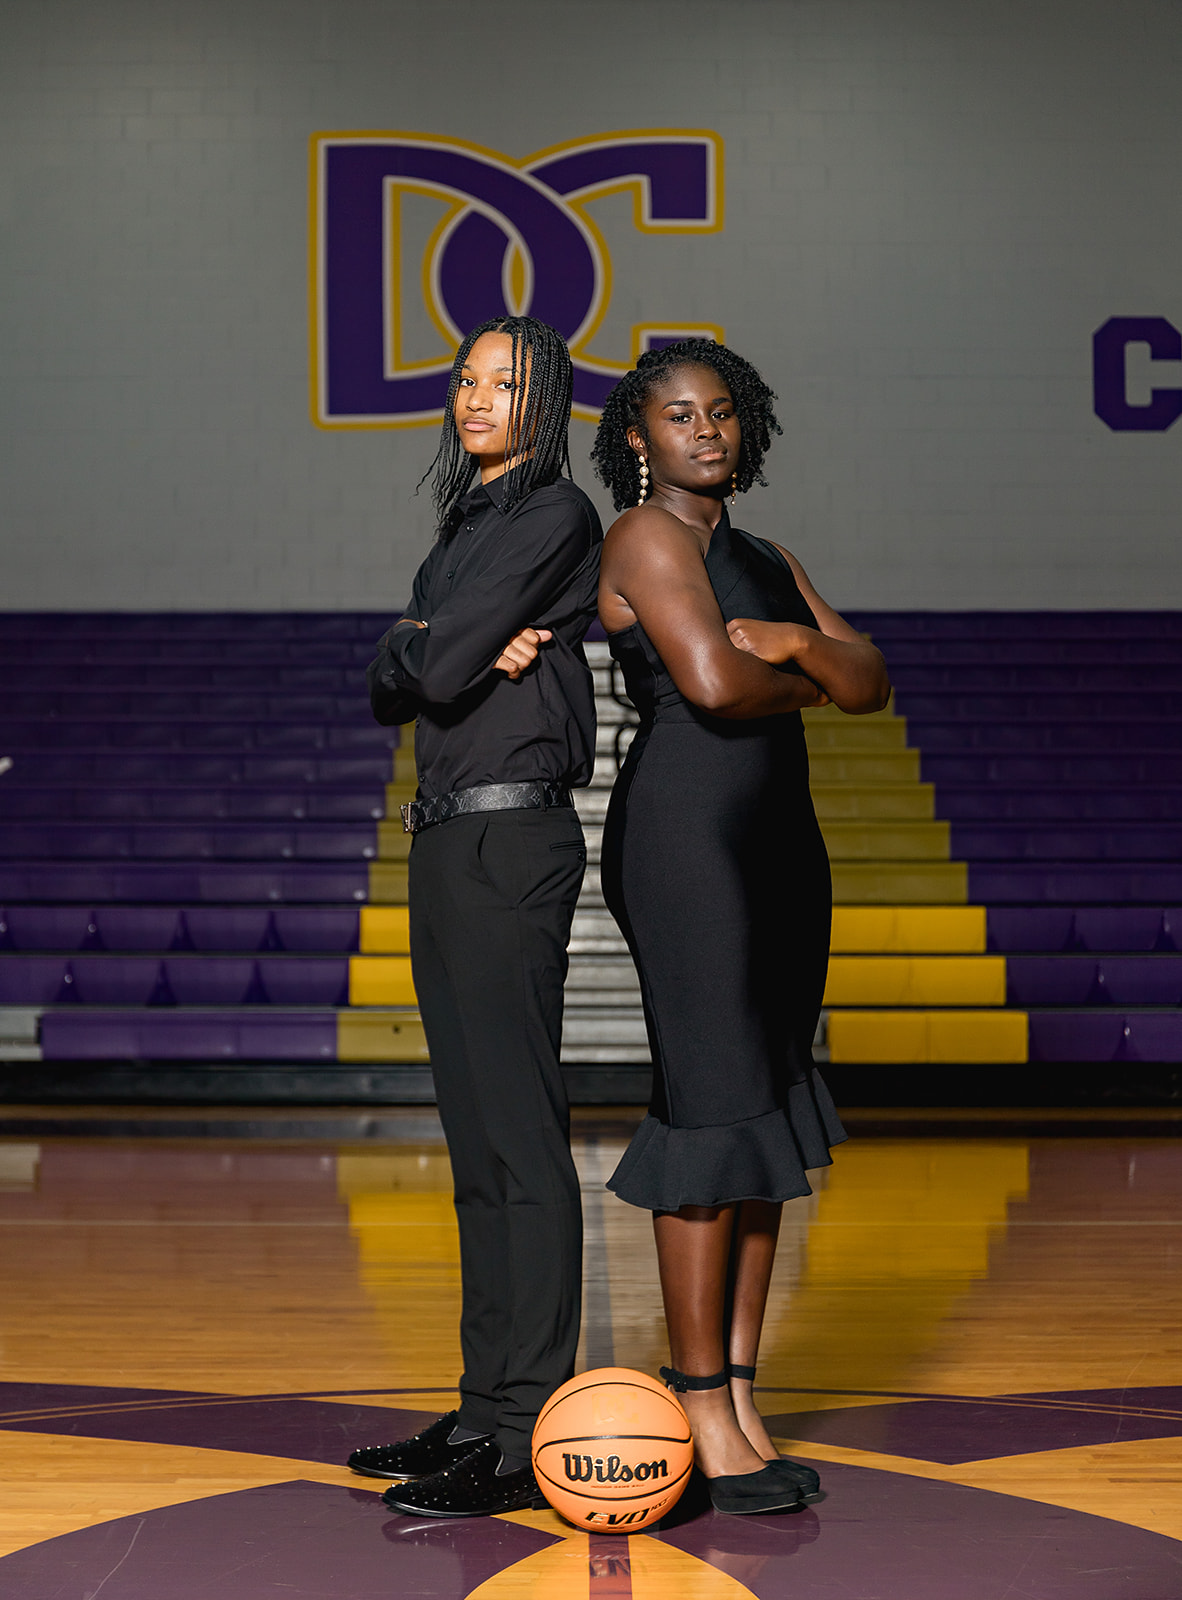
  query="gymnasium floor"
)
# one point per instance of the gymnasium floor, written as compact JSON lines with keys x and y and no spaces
{"x":979,"y":1341}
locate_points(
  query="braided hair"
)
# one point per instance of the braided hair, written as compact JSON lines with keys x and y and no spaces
{"x":615,"y":461}
{"x":539,"y":415}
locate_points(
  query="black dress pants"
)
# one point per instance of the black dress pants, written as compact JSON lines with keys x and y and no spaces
{"x":491,"y":902}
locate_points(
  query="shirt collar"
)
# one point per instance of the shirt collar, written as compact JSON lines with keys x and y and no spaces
{"x":481,"y":495}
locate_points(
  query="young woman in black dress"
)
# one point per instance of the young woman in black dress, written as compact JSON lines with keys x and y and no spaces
{"x":715,"y":869}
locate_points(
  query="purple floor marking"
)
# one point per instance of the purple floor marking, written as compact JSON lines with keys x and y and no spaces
{"x":287,"y":1541}
{"x":878,"y":1535}
{"x":300,"y":1430}
{"x":949,"y":1430}
{"x":883,"y":1536}
{"x":954,"y":1430}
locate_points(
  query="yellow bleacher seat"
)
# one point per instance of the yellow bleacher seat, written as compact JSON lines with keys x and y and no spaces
{"x":878,"y":802}
{"x":889,"y":883}
{"x":385,"y":931}
{"x":898,"y":980}
{"x":393,"y":840}
{"x":890,"y":1037}
{"x":387,"y":1036}
{"x":387,"y":883}
{"x":380,"y":981}
{"x":863,"y":766}
{"x":886,"y":930}
{"x":883,"y":841}
{"x":862,"y":733}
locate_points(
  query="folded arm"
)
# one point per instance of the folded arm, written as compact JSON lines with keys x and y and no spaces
{"x":849,"y":668}
{"x":541,"y":548}
{"x":653,"y":563}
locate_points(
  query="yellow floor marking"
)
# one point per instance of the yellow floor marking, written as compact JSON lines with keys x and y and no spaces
{"x":97,"y":1480}
{"x":655,"y":1570}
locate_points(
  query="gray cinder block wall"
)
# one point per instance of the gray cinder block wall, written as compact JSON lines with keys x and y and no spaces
{"x":930,"y":209}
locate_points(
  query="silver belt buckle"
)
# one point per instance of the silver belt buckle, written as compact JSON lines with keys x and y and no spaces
{"x":407,"y":823}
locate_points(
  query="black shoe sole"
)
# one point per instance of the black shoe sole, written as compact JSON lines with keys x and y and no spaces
{"x":533,"y":1503}
{"x":753,"y":1508}
{"x":390,"y":1477}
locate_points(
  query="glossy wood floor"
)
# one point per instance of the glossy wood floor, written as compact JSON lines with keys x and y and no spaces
{"x":982,"y":1337}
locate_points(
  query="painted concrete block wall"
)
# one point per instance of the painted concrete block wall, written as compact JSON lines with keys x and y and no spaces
{"x":930,"y":208}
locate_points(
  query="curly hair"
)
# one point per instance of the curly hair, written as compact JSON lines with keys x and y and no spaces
{"x":614,"y":459}
{"x":540,"y":413}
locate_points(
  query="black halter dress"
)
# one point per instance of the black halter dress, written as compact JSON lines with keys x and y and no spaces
{"x":716,"y":871}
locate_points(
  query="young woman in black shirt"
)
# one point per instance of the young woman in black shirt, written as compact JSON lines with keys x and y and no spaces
{"x":488,"y":660}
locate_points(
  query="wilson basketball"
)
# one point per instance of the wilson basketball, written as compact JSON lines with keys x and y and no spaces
{"x":612,"y":1449}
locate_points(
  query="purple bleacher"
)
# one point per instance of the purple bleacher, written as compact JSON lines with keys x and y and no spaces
{"x":189,"y":804}
{"x":134,"y":679}
{"x":33,"y":981}
{"x":1036,"y":679}
{"x":1079,"y":980}
{"x":305,"y":981}
{"x":1049,"y":980}
{"x":207,"y":980}
{"x":1048,"y":768}
{"x":1105,"y":1035}
{"x":120,"y":770}
{"x":1071,"y":884}
{"x":1039,"y":733}
{"x":1059,"y":841}
{"x":1054,"y":742}
{"x":127,"y":735}
{"x":81,"y":841}
{"x":1098,"y":928}
{"x":1060,"y":802}
{"x":184,"y":980}
{"x":1107,"y":712}
{"x":1113,"y":928}
{"x":317,"y":927}
{"x":47,"y":928}
{"x":116,"y":981}
{"x":194,"y":804}
{"x":176,"y":1035}
{"x":1141,"y":980}
{"x":174,"y":625}
{"x":224,"y":928}
{"x":221,"y":929}
{"x":175,"y":883}
{"x":1085,"y":627}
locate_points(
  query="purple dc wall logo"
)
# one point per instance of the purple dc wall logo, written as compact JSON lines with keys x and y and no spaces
{"x":513,"y":238}
{"x":1110,"y":345}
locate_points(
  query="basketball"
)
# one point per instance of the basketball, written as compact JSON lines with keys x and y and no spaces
{"x":612,"y":1449}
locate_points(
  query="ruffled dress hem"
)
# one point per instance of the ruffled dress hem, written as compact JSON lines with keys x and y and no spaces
{"x":760,"y":1158}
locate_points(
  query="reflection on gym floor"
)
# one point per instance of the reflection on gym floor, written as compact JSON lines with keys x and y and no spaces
{"x":975,"y":1340}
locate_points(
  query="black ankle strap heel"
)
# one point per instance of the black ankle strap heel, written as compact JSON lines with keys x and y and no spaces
{"x":681,"y":1382}
{"x":806,"y":1479}
{"x":772,"y":1489}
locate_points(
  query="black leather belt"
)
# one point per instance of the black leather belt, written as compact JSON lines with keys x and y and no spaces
{"x":539,"y":794}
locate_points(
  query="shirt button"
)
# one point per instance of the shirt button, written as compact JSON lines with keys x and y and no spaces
{"x":449,"y":574}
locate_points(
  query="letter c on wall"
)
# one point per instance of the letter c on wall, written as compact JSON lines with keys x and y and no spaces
{"x":1111,"y":401}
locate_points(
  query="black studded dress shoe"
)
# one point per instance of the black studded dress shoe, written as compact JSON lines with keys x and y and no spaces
{"x":469,"y":1488}
{"x":427,"y":1452}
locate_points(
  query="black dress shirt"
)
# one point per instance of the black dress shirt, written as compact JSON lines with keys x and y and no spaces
{"x":534,"y":566}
